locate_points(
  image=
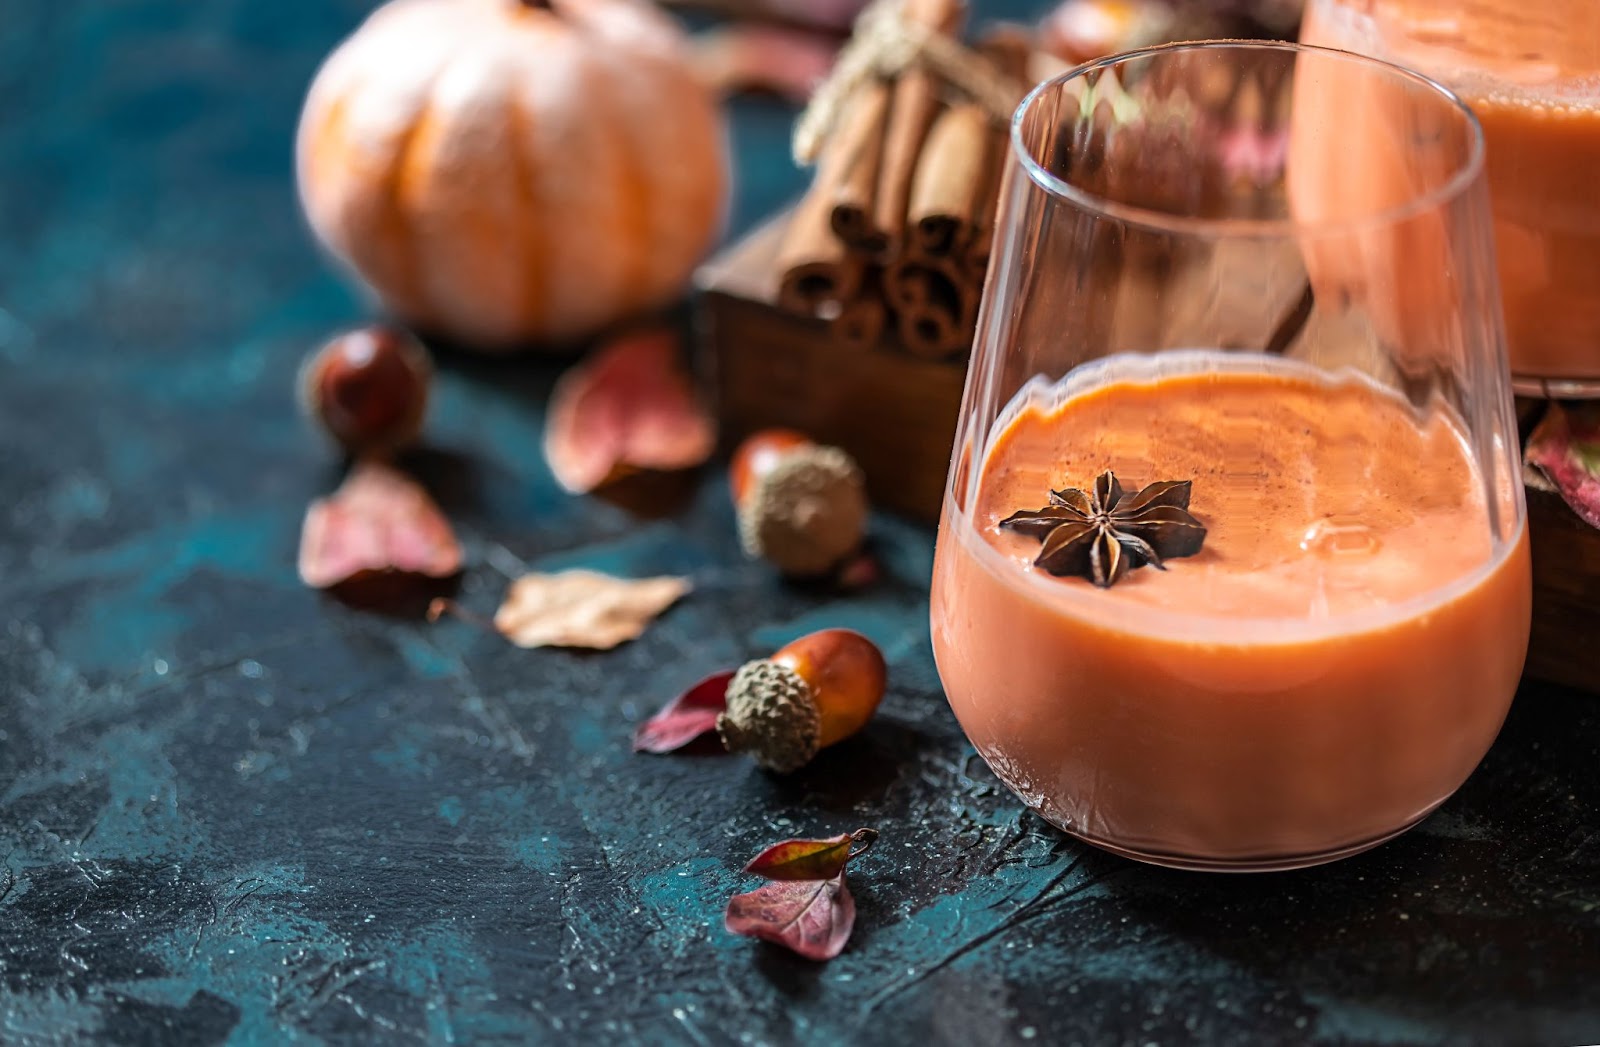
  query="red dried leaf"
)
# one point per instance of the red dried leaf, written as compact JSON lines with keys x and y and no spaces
{"x":378,"y":521}
{"x":1565,"y":448}
{"x":806,"y":907}
{"x":811,"y":917}
{"x":687,"y":717}
{"x":627,"y":407}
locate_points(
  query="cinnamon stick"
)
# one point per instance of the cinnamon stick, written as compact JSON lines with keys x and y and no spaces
{"x":928,"y":299}
{"x":860,"y":324}
{"x":947,"y":188}
{"x":816,"y":271}
{"x":912,"y":107}
{"x":929,"y":332}
{"x":852,"y":159}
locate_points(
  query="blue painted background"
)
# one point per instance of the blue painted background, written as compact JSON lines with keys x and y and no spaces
{"x":232,"y":810}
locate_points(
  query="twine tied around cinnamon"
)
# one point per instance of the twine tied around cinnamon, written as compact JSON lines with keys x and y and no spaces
{"x":885,"y":44}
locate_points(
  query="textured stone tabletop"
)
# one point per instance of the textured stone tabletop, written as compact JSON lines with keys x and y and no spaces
{"x":233,"y":810}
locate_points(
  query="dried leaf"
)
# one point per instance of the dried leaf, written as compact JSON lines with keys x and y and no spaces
{"x":806,"y":907}
{"x":1565,"y":449}
{"x":810,"y":859}
{"x":378,"y":521}
{"x":627,"y":407}
{"x":811,"y":917}
{"x":691,"y":715}
{"x":583,"y":608}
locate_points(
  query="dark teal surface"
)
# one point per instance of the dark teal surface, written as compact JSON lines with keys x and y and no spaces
{"x":231,"y":809}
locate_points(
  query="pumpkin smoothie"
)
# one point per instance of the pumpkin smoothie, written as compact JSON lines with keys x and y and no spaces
{"x":1327,"y":668}
{"x":1531,"y":73}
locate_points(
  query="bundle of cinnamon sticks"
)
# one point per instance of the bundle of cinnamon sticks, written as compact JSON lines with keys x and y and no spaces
{"x":892,"y":238}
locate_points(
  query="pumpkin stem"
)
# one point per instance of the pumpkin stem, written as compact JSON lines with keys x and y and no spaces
{"x":537,"y":5}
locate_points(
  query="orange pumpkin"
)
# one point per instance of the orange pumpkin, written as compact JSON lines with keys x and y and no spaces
{"x":513,"y":171}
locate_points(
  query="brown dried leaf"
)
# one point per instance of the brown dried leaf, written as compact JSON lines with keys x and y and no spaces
{"x":629,"y":406}
{"x":378,"y":521}
{"x":583,"y":608}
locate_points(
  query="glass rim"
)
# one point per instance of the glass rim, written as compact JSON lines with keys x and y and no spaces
{"x":1467,"y":173}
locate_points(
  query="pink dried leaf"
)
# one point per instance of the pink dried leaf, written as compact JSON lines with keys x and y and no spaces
{"x":693,"y":714}
{"x":629,"y":406}
{"x":378,"y":521}
{"x":1565,"y":449}
{"x":810,"y":917}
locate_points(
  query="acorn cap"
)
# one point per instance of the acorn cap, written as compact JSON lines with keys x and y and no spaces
{"x":772,"y":716}
{"x":807,"y":514}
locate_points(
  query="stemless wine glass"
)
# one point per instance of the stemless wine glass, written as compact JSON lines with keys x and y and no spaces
{"x":1265,"y":271}
{"x":1532,"y":75}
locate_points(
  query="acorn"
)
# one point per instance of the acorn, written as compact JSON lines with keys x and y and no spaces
{"x":816,"y":691}
{"x":367,"y":389}
{"x":801,"y":506}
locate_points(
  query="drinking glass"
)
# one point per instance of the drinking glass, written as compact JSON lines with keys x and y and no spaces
{"x":1194,"y":282}
{"x":1531,"y":73}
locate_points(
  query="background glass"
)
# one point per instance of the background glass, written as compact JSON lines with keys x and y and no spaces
{"x":1531,"y":73}
{"x":1203,"y":197}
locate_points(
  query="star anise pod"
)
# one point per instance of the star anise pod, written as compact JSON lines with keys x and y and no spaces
{"x":1102,"y":535}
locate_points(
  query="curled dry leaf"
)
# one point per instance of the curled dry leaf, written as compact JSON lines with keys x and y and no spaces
{"x":810,"y":859}
{"x":693,"y":714}
{"x":1565,"y":449}
{"x":627,"y":407}
{"x":583,"y":608}
{"x":806,"y":908}
{"x":378,"y":521}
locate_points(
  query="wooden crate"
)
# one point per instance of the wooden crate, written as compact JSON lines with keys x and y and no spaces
{"x":897,"y":415}
{"x":1565,"y":647}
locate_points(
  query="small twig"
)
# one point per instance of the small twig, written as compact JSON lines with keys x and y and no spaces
{"x":865,"y":838}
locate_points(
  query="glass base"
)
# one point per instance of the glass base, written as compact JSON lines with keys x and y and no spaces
{"x":1556,"y":388}
{"x":1264,"y":863}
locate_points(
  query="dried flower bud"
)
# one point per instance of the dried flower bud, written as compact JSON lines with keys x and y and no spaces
{"x":816,"y":691}
{"x":368,"y":389}
{"x":801,"y":506}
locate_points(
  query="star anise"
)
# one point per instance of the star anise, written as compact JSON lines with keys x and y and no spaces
{"x":1102,"y":535}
